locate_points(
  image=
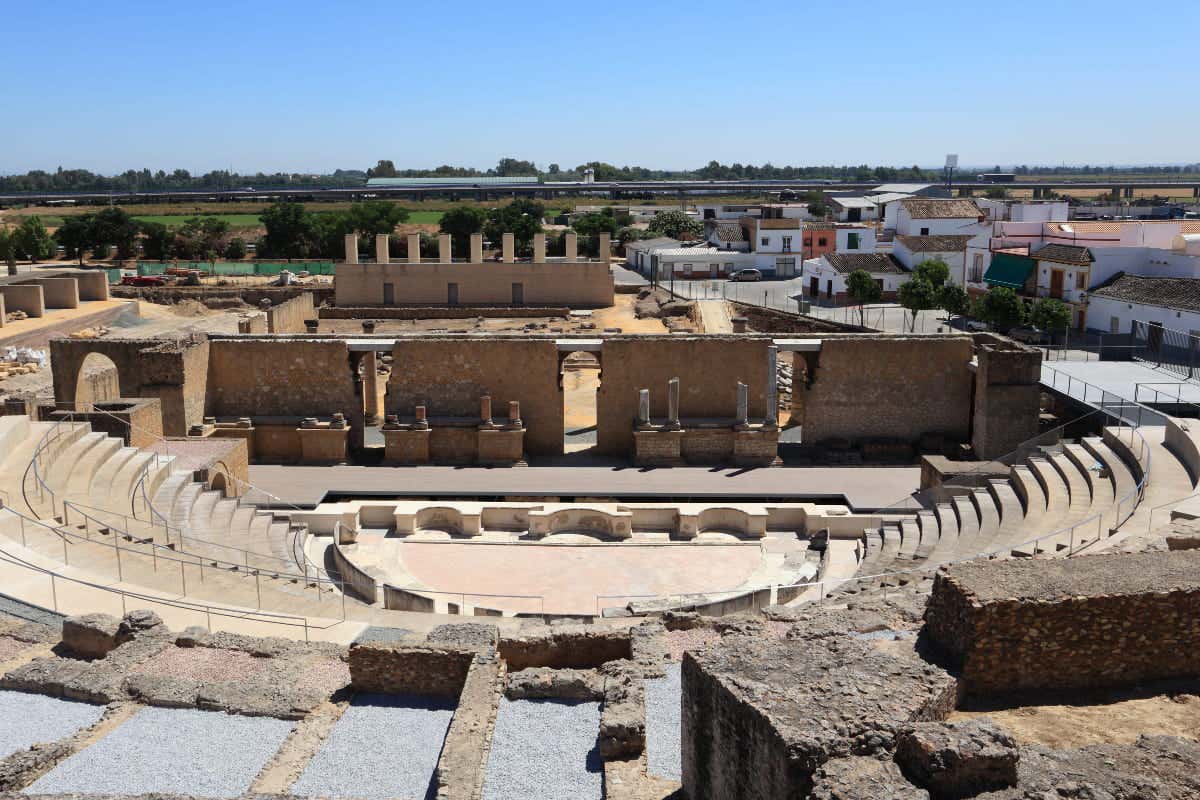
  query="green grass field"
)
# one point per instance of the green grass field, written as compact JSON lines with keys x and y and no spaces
{"x":234,"y":220}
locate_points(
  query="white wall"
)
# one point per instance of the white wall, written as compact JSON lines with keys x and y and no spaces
{"x":1039,"y":212}
{"x":775,"y":240}
{"x":954,"y":259}
{"x":1101,"y":310}
{"x":866,"y":240}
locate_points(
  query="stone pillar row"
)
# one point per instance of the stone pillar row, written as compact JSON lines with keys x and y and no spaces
{"x":445,"y":255}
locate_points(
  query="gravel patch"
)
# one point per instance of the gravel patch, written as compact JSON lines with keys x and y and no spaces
{"x":377,"y":633}
{"x":325,"y":676}
{"x":383,"y":746}
{"x":204,"y":664}
{"x":27,"y":719}
{"x":13,"y":607}
{"x":545,"y":749}
{"x":171,"y":751}
{"x":664,"y":701}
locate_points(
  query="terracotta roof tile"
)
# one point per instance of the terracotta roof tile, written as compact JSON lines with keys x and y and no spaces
{"x":934,"y":244}
{"x":1064,"y":254}
{"x":1180,"y":293}
{"x":933,"y":208}
{"x":874,"y":263}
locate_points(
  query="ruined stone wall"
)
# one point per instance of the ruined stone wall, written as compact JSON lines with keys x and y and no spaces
{"x":281,"y":378}
{"x":584,"y":284}
{"x":1057,"y":624}
{"x":29,"y":299}
{"x":708,"y":368}
{"x":862,"y":387}
{"x":441,"y":312}
{"x":449,"y":375}
{"x":289,"y":315}
{"x":407,"y":669}
{"x":1007,"y":395}
{"x":174,"y":372}
{"x":58,"y":292}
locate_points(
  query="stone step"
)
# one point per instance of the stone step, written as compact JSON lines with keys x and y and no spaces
{"x":102,"y":483}
{"x":943,"y":551}
{"x":968,"y":528}
{"x":989,"y":519}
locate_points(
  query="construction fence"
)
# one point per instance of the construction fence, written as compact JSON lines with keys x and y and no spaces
{"x":232,"y":268}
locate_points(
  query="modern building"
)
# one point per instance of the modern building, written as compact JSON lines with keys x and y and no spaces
{"x":637,"y":254}
{"x":825,"y":277}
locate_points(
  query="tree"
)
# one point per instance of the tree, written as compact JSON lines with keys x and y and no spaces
{"x":917,"y":295}
{"x":676,"y":225}
{"x":461,"y":222}
{"x":374,"y":217}
{"x":522,"y":218}
{"x":199,"y":237}
{"x":327,"y":234}
{"x":289,"y":230}
{"x":113,"y":227}
{"x":1050,"y":314}
{"x":818,"y":208}
{"x":75,"y":235}
{"x":512,"y":167}
{"x":8,"y":249}
{"x":235,"y":249}
{"x":863,"y":289}
{"x":996,"y":193}
{"x":934,"y":270}
{"x":1001,"y":307}
{"x":953,"y":299}
{"x":32,"y":241}
{"x":157,"y":241}
{"x":383,"y":168}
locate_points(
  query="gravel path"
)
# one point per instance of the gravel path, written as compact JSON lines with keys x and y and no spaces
{"x":664,"y":698}
{"x":545,"y":749}
{"x":26,"y":719}
{"x":170,"y":750}
{"x":383,"y":746}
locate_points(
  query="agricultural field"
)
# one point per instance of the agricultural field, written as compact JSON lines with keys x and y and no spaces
{"x":174,"y":220}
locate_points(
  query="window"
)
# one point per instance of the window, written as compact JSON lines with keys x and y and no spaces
{"x":1114,"y":325}
{"x":787,"y":244}
{"x":1081,"y":280}
{"x":785,"y":267}
{"x":852,"y":241}
{"x":924,"y":231}
{"x":821,"y":241}
{"x":766,"y":240}
{"x":977,"y":269}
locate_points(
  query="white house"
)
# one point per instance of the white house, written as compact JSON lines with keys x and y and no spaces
{"x":637,"y":254}
{"x":726,"y":234}
{"x":687,"y":263}
{"x":1173,"y":303}
{"x":853,"y":209}
{"x":825,"y":277}
{"x":912,"y":250}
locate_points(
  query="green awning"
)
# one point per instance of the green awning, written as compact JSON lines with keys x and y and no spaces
{"x":1009,"y":270}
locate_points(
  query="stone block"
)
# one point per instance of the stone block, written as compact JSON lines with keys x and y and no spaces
{"x":955,"y":760}
{"x":138,"y":622}
{"x":623,"y":718}
{"x":90,"y":635}
{"x":573,"y":646}
{"x":755,"y":448}
{"x":501,"y":447}
{"x":761,"y":716}
{"x":562,"y":684}
{"x":474,"y":635}
{"x":658,"y":448}
{"x":1101,"y":620}
{"x":403,"y":446}
{"x":323,"y":445}
{"x":863,"y":778}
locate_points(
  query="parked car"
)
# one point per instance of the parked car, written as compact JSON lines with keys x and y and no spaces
{"x":746,"y":275}
{"x":143,"y":280}
{"x":976,"y":326}
{"x":1028,"y":334}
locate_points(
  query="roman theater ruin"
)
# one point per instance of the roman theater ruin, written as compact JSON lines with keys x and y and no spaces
{"x":391,"y":539}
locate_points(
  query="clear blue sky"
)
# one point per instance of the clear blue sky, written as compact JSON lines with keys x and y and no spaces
{"x":312,"y":86}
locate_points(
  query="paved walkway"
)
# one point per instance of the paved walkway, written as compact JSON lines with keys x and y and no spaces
{"x":1117,"y":385}
{"x":862,"y":488}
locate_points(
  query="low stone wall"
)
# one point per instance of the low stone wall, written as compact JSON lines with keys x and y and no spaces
{"x":459,"y":774}
{"x":441,"y":312}
{"x":250,"y":295}
{"x":288,"y":316}
{"x":402,"y":668}
{"x":354,"y":581}
{"x":576,"y":647}
{"x":767,"y":320}
{"x":397,"y":599}
{"x":1104,"y":620}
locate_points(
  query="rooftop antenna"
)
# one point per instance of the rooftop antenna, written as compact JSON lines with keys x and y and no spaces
{"x":948,"y":171}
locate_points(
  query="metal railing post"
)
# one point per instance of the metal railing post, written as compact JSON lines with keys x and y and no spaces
{"x":183,"y":578}
{"x":53,"y":592}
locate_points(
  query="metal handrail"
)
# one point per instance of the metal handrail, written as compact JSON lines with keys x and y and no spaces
{"x":209,"y":610}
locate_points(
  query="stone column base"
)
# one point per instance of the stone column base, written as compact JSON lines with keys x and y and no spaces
{"x":756,"y":448}
{"x":499,"y":447}
{"x":323,"y":445}
{"x":403,"y":446}
{"x":658,"y":448}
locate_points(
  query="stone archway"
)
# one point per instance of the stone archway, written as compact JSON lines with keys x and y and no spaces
{"x":97,"y":380}
{"x":579,"y":376}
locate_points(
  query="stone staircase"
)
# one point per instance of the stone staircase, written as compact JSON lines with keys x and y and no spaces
{"x":1060,"y":501}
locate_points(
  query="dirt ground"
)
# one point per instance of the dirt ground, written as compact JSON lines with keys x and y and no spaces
{"x":581,"y":379}
{"x":618,"y":316}
{"x":1117,"y":718}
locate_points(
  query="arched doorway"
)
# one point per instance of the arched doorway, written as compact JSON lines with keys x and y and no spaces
{"x":579,"y":376}
{"x":98,"y":381}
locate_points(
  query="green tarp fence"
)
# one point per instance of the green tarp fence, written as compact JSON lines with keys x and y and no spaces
{"x":233,"y":268}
